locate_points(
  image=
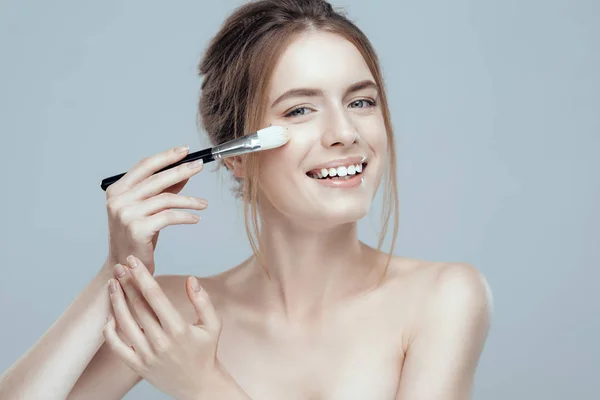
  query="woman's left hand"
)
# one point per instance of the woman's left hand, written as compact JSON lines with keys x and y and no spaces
{"x":176,"y":357}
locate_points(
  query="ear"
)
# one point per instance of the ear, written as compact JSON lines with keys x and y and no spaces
{"x":234,"y":164}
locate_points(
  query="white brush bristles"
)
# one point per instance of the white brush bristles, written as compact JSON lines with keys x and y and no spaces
{"x":272,"y":136}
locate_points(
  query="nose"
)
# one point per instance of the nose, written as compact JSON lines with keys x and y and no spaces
{"x":339,"y":131}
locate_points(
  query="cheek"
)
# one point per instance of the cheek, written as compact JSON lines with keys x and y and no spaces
{"x":288,"y":157}
{"x":374,"y":134}
{"x":280,"y":174}
{"x":268,"y":167}
{"x":381,"y":142}
{"x":279,"y":180}
{"x":275,"y":164}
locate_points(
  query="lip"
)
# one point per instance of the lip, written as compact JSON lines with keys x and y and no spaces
{"x":339,"y":162}
{"x":355,"y":181}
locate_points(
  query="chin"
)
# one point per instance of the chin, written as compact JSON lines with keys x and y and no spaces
{"x":342,"y":211}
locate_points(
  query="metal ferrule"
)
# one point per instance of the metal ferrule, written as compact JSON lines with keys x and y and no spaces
{"x":235,"y":147}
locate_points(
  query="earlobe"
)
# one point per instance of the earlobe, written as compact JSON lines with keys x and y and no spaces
{"x":234,"y":164}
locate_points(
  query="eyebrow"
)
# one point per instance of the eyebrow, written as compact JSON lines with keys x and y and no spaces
{"x":310,"y":92}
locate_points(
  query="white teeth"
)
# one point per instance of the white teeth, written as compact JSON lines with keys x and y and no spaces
{"x":342,"y":171}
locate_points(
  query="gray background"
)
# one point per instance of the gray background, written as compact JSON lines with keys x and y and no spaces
{"x":495,"y":104}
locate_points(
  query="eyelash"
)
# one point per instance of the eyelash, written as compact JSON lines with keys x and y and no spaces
{"x":371,"y":103}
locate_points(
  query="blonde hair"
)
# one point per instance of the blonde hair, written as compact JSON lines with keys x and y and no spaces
{"x":237,"y":67}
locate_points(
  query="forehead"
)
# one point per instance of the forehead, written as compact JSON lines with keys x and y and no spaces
{"x":318,"y":59}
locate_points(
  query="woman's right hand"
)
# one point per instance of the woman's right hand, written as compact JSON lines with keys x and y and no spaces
{"x":139,"y":206}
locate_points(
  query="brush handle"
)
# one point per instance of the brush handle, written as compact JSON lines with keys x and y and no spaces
{"x":206,"y":155}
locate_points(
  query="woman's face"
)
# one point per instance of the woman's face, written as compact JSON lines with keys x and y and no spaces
{"x":323,"y":92}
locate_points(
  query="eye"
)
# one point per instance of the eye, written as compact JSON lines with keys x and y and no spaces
{"x":295,"y":113}
{"x":370,"y":103}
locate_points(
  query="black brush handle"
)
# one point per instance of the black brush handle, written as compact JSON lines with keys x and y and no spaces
{"x":206,"y":156}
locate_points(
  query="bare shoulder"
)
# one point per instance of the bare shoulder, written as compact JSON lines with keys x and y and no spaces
{"x":461,"y":295}
{"x":431,"y":291}
{"x":442,"y":280}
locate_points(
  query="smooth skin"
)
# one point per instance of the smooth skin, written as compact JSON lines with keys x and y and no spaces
{"x":175,"y":356}
{"x":319,"y":327}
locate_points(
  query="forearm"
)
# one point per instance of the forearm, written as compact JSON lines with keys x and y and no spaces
{"x":51,"y":367}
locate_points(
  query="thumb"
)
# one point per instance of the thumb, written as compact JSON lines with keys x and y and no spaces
{"x":207,"y":315}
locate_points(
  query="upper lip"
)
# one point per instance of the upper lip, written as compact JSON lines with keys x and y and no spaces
{"x":341,"y":161}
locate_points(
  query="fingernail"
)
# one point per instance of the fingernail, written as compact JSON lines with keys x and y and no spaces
{"x":195,"y":285}
{"x":181,"y":149}
{"x":112,"y":285}
{"x":195,"y":164}
{"x":119,"y":271}
{"x":132,"y":262}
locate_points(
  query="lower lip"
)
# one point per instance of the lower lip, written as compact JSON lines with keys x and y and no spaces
{"x":355,"y":181}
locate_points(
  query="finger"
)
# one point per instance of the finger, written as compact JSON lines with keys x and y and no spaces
{"x":138,"y":306}
{"x":162,"y":202}
{"x":157,"y":222}
{"x":169,"y":317}
{"x":147,"y":167}
{"x":176,"y":188}
{"x":156,"y":184}
{"x":124,"y":319}
{"x":125,"y":353}
{"x":205,"y":310}
{"x":165,"y":201}
{"x":123,"y":336}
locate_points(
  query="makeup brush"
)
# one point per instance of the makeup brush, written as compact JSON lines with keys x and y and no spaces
{"x":264,"y":139}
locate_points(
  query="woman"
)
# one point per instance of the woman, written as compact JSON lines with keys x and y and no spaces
{"x":314,"y":313}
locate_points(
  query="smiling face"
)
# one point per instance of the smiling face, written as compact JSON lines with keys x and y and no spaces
{"x":323,"y":91}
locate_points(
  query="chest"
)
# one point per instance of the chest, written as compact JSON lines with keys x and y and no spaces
{"x":342,"y":362}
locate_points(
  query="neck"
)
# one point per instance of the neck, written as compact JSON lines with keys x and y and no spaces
{"x":311,"y":270}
